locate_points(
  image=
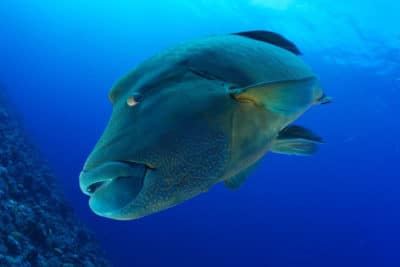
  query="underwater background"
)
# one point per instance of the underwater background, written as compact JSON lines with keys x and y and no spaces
{"x":339,"y":207}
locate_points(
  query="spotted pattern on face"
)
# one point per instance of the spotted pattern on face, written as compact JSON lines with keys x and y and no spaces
{"x":192,"y":169}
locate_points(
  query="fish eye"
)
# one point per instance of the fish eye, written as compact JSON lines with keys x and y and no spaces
{"x":133,"y":100}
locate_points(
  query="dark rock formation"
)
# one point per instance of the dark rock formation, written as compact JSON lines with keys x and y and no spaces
{"x":37,"y":227}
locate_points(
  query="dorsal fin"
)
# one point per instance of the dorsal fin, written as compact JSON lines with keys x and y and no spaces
{"x":271,"y":38}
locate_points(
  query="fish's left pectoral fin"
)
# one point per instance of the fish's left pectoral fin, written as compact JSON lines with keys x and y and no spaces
{"x":296,"y":140}
{"x":283,"y":97}
{"x":235,"y":182}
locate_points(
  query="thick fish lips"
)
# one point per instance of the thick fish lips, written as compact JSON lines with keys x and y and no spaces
{"x":112,"y":185}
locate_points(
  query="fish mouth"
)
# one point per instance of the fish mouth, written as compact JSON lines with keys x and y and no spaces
{"x":113,"y":185}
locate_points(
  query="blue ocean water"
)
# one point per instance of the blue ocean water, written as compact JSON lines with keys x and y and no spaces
{"x":337,"y":208}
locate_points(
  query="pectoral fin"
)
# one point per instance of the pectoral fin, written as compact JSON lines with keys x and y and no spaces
{"x":235,"y":182}
{"x":284,"y":97}
{"x":296,"y":140}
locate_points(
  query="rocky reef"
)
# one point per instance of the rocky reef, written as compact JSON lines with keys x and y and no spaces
{"x":37,"y":227}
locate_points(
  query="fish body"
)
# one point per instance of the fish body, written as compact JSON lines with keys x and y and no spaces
{"x":197,"y":114}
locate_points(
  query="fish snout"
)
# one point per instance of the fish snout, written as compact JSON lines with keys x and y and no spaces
{"x":112,"y":185}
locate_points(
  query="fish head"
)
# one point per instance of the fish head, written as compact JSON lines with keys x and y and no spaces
{"x":163,"y":144}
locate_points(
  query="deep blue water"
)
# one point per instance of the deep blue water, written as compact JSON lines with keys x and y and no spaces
{"x":337,"y":208}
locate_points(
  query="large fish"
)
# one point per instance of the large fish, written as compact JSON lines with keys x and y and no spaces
{"x":197,"y":114}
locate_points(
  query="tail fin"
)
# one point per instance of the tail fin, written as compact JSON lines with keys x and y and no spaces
{"x":324,"y":100}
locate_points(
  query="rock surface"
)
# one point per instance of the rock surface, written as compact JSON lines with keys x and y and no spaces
{"x":37,"y":227}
